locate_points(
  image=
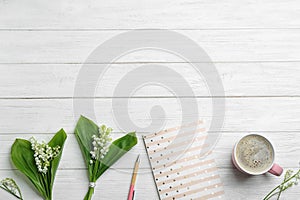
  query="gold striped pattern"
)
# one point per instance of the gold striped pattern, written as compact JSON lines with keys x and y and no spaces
{"x":174,"y":145}
{"x":194,"y":191}
{"x":190,"y":184}
{"x":179,"y":178}
{"x":174,"y":129}
{"x":184,"y":168}
{"x":180,"y":135}
{"x":184,"y":159}
{"x":172,"y":177}
{"x":196,"y":148}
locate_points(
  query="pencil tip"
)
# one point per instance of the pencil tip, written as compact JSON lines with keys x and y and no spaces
{"x":138,"y":159}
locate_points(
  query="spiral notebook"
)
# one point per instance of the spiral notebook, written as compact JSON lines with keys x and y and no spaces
{"x":179,"y":171}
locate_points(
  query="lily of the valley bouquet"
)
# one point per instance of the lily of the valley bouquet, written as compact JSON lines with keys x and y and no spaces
{"x":10,"y":186}
{"x":98,"y":150}
{"x":39,"y":161}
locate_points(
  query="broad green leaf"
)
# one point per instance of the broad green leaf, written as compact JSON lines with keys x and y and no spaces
{"x":23,"y":158}
{"x":58,"y":140}
{"x":84,"y":131}
{"x":116,"y":150}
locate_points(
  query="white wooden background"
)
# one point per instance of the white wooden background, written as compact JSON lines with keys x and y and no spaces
{"x":255,"y":45}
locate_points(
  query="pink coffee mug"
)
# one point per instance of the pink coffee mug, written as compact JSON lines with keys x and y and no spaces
{"x":274,"y":168}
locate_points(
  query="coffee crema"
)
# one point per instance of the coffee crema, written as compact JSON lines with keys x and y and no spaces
{"x":254,"y":153}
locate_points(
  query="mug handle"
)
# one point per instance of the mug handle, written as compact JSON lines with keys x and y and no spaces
{"x":276,"y":170}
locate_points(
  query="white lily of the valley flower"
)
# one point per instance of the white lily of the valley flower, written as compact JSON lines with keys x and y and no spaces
{"x":101,"y":143}
{"x":43,"y":154}
{"x":11,"y":186}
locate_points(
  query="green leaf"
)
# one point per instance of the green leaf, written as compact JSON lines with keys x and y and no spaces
{"x":58,"y":140}
{"x":116,"y":150}
{"x":23,"y":158}
{"x":84,"y":131}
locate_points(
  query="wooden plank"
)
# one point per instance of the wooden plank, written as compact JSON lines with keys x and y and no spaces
{"x":176,"y":14}
{"x":254,"y":44}
{"x":241,"y":114}
{"x":239,"y":79}
{"x":72,"y":184}
{"x":221,"y":45}
{"x":286,"y":144}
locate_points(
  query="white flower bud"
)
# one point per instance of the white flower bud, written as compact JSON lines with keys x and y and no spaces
{"x":43,"y":154}
{"x":101,"y":142}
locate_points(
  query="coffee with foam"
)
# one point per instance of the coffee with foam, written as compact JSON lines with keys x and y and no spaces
{"x":254,"y":153}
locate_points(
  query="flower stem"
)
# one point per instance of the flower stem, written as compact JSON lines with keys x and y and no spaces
{"x":271,"y":193}
{"x":89,"y":194}
{"x":280,"y":191}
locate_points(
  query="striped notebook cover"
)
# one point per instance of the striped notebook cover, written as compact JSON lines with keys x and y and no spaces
{"x":178,"y":169}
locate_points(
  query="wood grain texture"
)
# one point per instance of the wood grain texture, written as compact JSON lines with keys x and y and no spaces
{"x":254,"y":45}
{"x":239,"y":79}
{"x":241,"y":114}
{"x":113,"y":185}
{"x":168,"y":14}
{"x":221,"y":45}
{"x":284,"y":142}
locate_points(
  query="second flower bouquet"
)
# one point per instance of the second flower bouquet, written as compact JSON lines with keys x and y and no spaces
{"x":98,"y":151}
